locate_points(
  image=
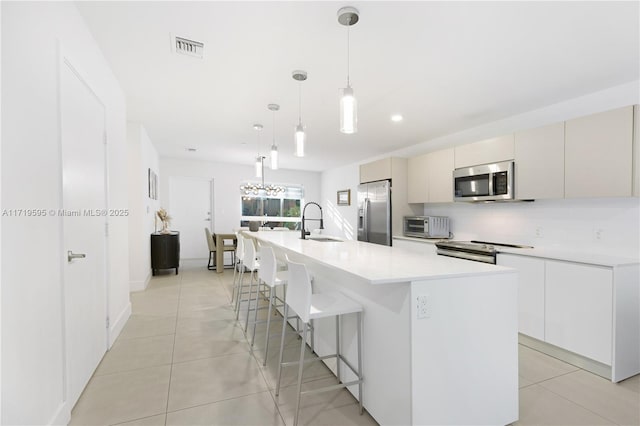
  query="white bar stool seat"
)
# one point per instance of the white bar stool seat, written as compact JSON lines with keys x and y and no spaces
{"x":311,"y":306}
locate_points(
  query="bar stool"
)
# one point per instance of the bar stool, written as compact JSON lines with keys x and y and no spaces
{"x":272,"y":278}
{"x":250,"y":262}
{"x":239,"y":268}
{"x":311,"y":306}
{"x":245,"y":263}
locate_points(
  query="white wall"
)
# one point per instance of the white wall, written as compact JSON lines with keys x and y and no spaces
{"x":564,"y":223}
{"x":571,"y":223}
{"x":142,"y":209}
{"x":340,"y":221}
{"x":32,"y":255}
{"x":226,"y":185}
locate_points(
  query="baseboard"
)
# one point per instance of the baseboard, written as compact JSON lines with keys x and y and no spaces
{"x":572,"y":358}
{"x":62,"y":416}
{"x":140,"y":285}
{"x":117,"y":325}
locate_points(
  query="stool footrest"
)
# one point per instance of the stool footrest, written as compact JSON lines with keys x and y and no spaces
{"x":332,"y":387}
{"x":308,"y":360}
{"x":353,"y":370}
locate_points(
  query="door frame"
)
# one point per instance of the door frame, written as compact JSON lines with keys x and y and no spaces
{"x":65,"y":59}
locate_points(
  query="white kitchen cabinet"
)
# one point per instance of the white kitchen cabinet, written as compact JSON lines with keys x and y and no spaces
{"x":531,"y":280}
{"x":376,"y":170}
{"x":599,"y":154}
{"x":440,"y":165}
{"x":539,"y":162}
{"x":430,"y":177}
{"x":579,"y":308}
{"x":636,"y":151}
{"x":487,"y":151}
{"x":417,"y":179}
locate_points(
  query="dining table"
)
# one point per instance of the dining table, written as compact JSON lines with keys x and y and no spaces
{"x":220,"y":249}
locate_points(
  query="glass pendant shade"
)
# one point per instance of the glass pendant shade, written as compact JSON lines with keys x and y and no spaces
{"x":274,"y":157}
{"x":300,"y":140}
{"x":258,"y":167}
{"x":348,"y":111}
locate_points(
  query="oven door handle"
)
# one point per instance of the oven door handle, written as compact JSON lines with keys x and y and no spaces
{"x":486,"y":258}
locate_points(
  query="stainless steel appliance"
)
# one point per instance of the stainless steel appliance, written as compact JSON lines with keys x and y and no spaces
{"x":479,"y":251}
{"x":374,"y":212}
{"x":486,"y":182}
{"x":426,"y":226}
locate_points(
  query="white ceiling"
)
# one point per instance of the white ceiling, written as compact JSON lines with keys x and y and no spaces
{"x":445,"y":66}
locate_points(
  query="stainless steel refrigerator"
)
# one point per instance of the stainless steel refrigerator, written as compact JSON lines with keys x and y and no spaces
{"x":374,"y":212}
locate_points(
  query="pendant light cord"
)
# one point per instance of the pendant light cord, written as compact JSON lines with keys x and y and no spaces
{"x":348,"y":45}
{"x":299,"y":102}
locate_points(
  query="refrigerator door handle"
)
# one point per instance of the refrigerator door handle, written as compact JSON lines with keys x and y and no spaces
{"x":366,"y":219}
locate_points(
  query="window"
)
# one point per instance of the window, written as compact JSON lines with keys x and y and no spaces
{"x":274,"y":210}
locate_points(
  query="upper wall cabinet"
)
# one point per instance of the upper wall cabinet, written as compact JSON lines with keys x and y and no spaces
{"x":440,"y":165}
{"x":376,"y":170}
{"x":430,"y":177}
{"x":599,"y":154}
{"x":417,"y":179}
{"x":539,"y":158}
{"x":487,"y":151}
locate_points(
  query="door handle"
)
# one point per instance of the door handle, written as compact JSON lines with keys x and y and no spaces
{"x":71,"y":255}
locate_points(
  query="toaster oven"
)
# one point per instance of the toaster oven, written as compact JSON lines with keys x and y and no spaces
{"x":426,"y":226}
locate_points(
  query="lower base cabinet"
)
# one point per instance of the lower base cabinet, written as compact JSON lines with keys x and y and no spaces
{"x":589,"y":310}
{"x":578,"y":308}
{"x":530,"y":293}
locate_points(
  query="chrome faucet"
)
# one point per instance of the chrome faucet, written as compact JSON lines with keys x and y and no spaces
{"x":304,"y":232}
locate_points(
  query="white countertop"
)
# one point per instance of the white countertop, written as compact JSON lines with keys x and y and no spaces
{"x":375,"y":263}
{"x":577,"y":256}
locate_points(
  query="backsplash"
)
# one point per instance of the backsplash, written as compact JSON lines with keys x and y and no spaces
{"x":602,"y":225}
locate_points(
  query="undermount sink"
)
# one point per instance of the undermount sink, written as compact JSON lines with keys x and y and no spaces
{"x":324,"y":239}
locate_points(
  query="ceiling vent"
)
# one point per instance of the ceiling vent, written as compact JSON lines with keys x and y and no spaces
{"x":188,"y":47}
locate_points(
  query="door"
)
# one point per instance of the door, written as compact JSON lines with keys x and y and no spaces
{"x":190,"y":208}
{"x":379,"y":214}
{"x":82,"y":128}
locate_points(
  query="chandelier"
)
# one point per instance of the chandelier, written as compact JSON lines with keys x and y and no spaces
{"x":255,"y":189}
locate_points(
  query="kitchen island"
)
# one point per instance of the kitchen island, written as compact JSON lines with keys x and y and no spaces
{"x":440,"y":334}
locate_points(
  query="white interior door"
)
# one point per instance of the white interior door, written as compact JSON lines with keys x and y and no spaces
{"x":83,"y":180}
{"x":190,"y":207}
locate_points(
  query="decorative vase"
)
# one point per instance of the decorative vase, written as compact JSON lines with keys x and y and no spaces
{"x":165,"y":227}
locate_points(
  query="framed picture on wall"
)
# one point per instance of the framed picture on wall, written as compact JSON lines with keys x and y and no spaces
{"x":150,"y":184}
{"x":153,"y":185}
{"x":344,"y":197}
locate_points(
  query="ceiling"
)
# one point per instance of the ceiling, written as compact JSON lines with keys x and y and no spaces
{"x":445,"y":66}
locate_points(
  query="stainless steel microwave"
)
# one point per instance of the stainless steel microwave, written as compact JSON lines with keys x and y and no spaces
{"x":486,"y":182}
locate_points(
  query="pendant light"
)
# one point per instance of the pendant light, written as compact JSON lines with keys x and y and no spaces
{"x":259,"y":159}
{"x":274,"y":148}
{"x":300,"y":135}
{"x":348,"y":16}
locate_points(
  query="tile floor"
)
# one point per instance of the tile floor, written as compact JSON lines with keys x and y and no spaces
{"x":183,"y":360}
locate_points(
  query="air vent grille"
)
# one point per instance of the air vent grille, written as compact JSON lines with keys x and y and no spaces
{"x":189,"y":47}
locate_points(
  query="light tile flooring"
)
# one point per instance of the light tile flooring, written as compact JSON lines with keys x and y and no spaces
{"x":183,"y":360}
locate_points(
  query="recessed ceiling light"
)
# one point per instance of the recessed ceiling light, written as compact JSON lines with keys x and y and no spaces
{"x":191,"y":149}
{"x":396,"y":118}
